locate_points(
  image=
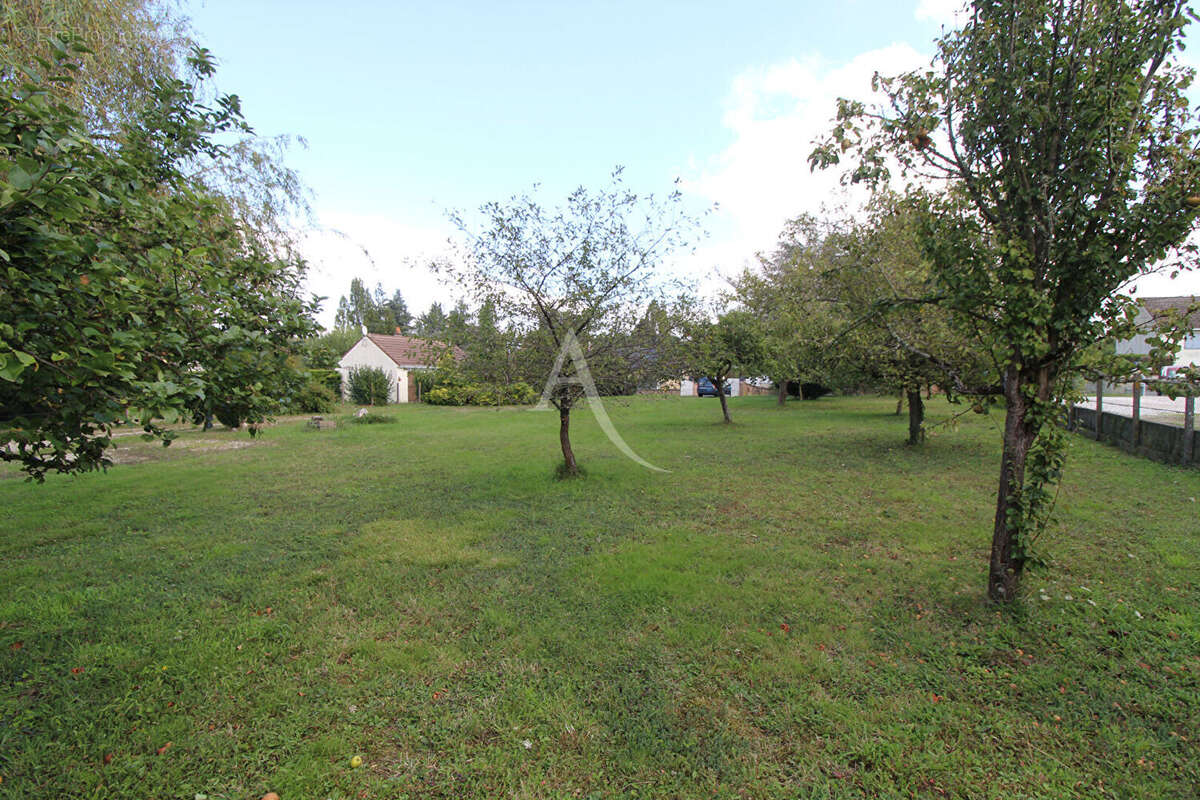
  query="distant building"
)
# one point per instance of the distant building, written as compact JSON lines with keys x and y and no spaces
{"x":398,"y":356}
{"x":1153,"y":308}
{"x":690,"y":387}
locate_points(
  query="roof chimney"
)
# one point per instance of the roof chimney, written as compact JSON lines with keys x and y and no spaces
{"x":399,"y":330}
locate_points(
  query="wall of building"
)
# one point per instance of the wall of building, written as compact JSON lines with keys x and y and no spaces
{"x":367,"y":354}
{"x":1189,"y":352}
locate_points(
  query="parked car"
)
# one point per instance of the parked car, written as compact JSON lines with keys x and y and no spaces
{"x":705,"y":388}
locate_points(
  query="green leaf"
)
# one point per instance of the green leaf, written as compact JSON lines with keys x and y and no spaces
{"x":12,"y":364}
{"x":19,"y":179}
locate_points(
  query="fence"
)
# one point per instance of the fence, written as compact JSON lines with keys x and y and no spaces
{"x":1160,"y":441}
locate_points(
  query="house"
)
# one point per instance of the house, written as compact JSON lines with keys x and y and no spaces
{"x":1152,"y":308}
{"x":398,"y":356}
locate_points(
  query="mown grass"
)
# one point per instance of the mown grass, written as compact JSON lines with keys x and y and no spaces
{"x":795,"y":610}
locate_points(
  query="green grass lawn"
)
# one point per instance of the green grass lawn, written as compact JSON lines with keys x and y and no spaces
{"x":795,"y":610}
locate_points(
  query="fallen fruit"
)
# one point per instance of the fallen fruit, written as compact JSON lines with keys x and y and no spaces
{"x":356,"y":762}
{"x":270,"y":796}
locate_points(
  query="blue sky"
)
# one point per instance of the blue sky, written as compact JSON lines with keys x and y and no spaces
{"x":412,"y":108}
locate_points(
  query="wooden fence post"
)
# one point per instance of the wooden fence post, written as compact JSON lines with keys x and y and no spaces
{"x":1189,"y":428}
{"x":1137,"y":414}
{"x":1099,"y":405}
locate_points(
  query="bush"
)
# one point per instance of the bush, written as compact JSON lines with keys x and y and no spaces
{"x":330,"y":378}
{"x":313,"y":398}
{"x":481,"y":394}
{"x":373,"y":419}
{"x":369,"y":386}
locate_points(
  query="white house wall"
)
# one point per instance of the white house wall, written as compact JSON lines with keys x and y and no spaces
{"x":1140,"y":345}
{"x":367,"y":354}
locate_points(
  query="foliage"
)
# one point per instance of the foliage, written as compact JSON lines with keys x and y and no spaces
{"x":127,"y":284}
{"x":368,"y":386}
{"x":331,"y":379}
{"x":376,"y":312}
{"x":583,"y":272}
{"x":326,"y":350}
{"x":892,"y":338}
{"x":788,"y":296}
{"x":431,"y":324}
{"x":451,"y":383}
{"x":485,"y":394}
{"x":131,"y":45}
{"x":313,"y":397}
{"x":493,"y":349}
{"x":371,"y":418}
{"x":716,"y":350}
{"x":1068,"y":147}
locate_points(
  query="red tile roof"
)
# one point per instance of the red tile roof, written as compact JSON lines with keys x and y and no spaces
{"x":411,"y":351}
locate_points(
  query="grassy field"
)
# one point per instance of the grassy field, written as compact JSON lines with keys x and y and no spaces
{"x":795,"y":610}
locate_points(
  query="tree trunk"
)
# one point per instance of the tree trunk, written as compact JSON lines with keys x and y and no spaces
{"x":1004,"y":572}
{"x":782,"y":398}
{"x":916,"y":416}
{"x":724,"y":405}
{"x":208,"y":421}
{"x":570,"y":469}
{"x":899,"y":404}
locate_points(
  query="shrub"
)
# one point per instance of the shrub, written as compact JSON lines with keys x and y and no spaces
{"x":330,"y":378}
{"x":373,"y":419}
{"x":481,"y":394}
{"x":313,"y":398}
{"x":369,"y":386}
{"x":519,"y":394}
{"x":445,"y":396}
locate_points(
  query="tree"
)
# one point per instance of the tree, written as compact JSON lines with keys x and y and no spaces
{"x":121,"y":271}
{"x":1069,"y":152}
{"x":124,"y":53}
{"x":458,"y":326}
{"x":374,"y":311}
{"x":890,"y":337}
{"x":432,"y":324}
{"x":715,"y":349}
{"x":326,"y":350}
{"x":401,"y":318}
{"x":581,"y":274}
{"x":131,"y":45}
{"x":492,"y":351}
{"x":788,"y":297}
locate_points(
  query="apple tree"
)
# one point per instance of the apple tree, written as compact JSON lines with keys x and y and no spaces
{"x":1055,"y":152}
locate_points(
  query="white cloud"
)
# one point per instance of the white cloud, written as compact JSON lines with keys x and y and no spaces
{"x":762,"y":178}
{"x":377,"y":249}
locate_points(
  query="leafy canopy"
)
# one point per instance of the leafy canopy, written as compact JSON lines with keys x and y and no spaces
{"x":129,"y":289}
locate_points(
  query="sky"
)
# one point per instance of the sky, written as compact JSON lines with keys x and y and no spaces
{"x":408,"y":110}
